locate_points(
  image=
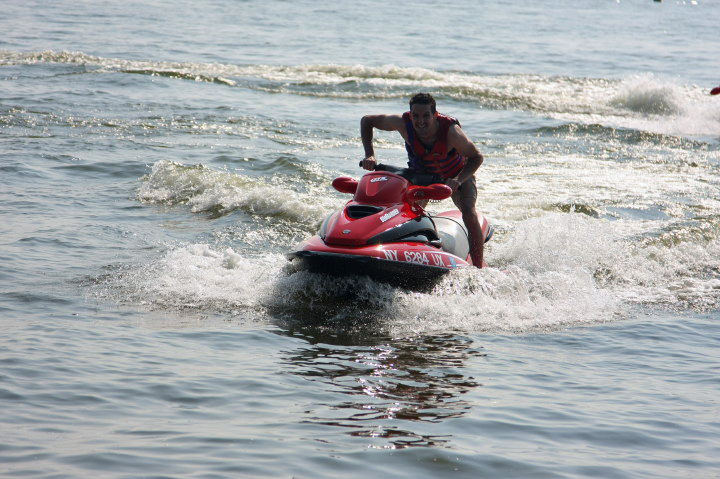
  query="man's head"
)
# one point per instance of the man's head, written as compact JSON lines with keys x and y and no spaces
{"x":423,"y":114}
{"x":424,"y":99}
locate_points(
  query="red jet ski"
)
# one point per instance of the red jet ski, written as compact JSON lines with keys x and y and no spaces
{"x":384,"y":233}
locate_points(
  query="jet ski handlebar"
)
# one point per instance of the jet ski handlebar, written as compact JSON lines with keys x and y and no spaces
{"x":414,"y":177}
{"x":423,"y":186}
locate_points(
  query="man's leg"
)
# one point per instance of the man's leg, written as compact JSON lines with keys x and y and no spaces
{"x":465,"y":199}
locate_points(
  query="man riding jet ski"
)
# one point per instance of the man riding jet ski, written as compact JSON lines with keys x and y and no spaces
{"x":437,"y":145}
{"x":384,"y":231}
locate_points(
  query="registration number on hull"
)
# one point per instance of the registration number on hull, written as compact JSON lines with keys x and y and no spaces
{"x":418,"y":257}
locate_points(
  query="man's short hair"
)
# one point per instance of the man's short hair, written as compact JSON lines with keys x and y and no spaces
{"x":424,"y":99}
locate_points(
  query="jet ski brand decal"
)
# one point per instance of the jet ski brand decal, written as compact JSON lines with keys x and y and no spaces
{"x":380,"y":178}
{"x":390,"y":214}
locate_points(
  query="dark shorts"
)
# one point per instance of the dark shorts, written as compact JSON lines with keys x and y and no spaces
{"x":466,"y":192}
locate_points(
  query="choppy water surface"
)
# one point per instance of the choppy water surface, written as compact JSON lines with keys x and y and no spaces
{"x":157,"y":162}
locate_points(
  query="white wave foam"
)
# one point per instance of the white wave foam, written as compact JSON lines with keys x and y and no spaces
{"x":644,"y":94}
{"x":563,"y":270}
{"x":199,"y":277}
{"x":684,"y":275}
{"x":664,"y":106}
{"x":205,"y":189}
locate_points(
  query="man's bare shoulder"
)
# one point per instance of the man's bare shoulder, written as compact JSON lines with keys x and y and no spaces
{"x":456,"y":133}
{"x":457,"y":139}
{"x":387,"y":122}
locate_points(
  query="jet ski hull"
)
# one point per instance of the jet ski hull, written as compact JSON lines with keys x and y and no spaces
{"x":406,"y":264}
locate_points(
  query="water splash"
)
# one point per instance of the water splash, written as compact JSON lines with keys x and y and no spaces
{"x":553,"y":272}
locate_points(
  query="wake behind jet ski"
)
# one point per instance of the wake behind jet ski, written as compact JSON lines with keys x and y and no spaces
{"x":385,"y":233}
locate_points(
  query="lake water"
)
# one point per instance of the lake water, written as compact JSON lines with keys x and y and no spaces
{"x":157,"y":162}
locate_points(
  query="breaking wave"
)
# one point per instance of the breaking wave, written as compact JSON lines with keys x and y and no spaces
{"x":643,"y":102}
{"x":220,"y":192}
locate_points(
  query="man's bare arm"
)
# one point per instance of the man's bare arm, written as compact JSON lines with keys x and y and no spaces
{"x":473,"y":159}
{"x":381,"y":122}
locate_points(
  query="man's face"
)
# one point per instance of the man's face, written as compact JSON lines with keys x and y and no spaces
{"x":422,"y":118}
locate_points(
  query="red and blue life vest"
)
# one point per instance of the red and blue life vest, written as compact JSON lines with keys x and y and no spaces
{"x":436,"y":160}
